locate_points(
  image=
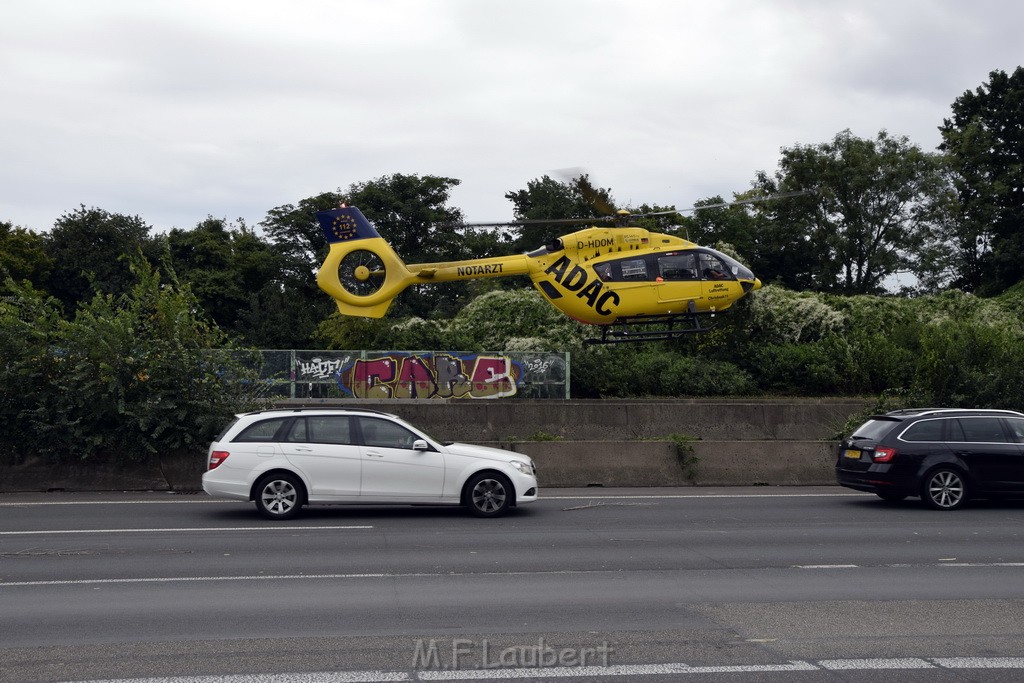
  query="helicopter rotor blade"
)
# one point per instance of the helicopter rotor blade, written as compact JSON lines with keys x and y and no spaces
{"x":534,"y":221}
{"x":752,"y":200}
{"x":620,"y":217}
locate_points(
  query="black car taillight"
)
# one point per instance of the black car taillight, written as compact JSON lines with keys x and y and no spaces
{"x":883,"y":454}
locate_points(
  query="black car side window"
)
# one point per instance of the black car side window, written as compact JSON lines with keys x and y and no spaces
{"x":925,"y":430}
{"x":982,"y":429}
{"x":1017,"y":427}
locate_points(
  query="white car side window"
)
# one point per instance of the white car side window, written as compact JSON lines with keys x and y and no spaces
{"x":385,"y":434}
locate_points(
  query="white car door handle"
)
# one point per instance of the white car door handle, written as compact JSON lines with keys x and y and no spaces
{"x":374,"y":454}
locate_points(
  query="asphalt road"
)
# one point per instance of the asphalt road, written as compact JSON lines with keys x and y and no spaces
{"x":787,"y":584}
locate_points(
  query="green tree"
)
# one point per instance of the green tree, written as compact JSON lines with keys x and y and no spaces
{"x":225,"y":266}
{"x":865,"y":215}
{"x":29,"y":320}
{"x":131,"y":377}
{"x":88,"y":247}
{"x":412,"y":214}
{"x":23,"y":255}
{"x":773,"y":248}
{"x":984,"y":142}
{"x":285,"y":314}
{"x":549,"y":199}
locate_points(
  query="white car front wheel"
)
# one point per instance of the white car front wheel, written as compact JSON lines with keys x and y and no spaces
{"x":489,"y":494}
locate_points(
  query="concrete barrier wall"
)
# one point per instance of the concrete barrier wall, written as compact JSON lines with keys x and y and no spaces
{"x":740,"y":443}
{"x":706,"y":419}
{"x":559,"y":463}
{"x":658,"y":463}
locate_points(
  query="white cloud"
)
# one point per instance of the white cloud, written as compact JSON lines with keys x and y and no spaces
{"x":175,"y":110}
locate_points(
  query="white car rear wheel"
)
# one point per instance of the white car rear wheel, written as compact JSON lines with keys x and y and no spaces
{"x":279,"y":496}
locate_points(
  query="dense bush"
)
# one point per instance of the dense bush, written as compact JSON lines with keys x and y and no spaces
{"x":128,"y":377}
{"x":965,"y":365}
{"x":499,"y":320}
{"x":948,"y":349}
{"x":627,"y":370}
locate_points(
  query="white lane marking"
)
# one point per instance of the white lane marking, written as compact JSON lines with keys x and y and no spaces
{"x":289,"y":577}
{"x":825,"y":566}
{"x":874,"y":664}
{"x":620,"y":670}
{"x":380,"y":575}
{"x":315,"y":677}
{"x":981,"y":564}
{"x":48,"y":532}
{"x":596,"y":671}
{"x":201,"y":501}
{"x":979,"y":662}
{"x":837,"y":494}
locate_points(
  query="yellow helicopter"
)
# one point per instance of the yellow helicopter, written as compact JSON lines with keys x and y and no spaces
{"x":635,"y":284}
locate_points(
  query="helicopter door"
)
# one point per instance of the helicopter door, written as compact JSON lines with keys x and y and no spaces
{"x":678,"y":278}
{"x":721,"y":287}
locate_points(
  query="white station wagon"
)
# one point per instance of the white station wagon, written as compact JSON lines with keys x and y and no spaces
{"x":285,"y":458}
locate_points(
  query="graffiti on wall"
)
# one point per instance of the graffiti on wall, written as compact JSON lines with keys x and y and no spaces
{"x":431,"y":375}
{"x":320,"y":368}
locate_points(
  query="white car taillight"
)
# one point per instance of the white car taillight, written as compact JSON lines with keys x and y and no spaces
{"x":216,"y":458}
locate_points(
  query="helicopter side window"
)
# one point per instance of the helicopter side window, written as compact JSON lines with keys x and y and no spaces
{"x":604,"y":271}
{"x":712,"y":268}
{"x":677,"y":267}
{"x":634,"y":269}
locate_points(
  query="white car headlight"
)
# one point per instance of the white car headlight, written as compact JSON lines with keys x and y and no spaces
{"x":524,"y":467}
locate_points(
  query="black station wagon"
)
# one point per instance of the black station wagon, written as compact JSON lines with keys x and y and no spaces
{"x":945,"y":456}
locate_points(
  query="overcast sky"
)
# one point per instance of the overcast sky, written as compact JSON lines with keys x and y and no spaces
{"x":177,"y":110}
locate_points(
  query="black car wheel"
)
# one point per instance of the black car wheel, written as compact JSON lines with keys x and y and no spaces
{"x":279,"y":496}
{"x":944,"y":489}
{"x":488,"y":495}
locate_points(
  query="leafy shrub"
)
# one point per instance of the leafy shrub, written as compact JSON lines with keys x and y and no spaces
{"x":128,"y":377}
{"x":824,"y":366}
{"x":778,"y":315}
{"x":29,"y":320}
{"x":632,"y":371}
{"x":964,"y":364}
{"x":490,"y":321}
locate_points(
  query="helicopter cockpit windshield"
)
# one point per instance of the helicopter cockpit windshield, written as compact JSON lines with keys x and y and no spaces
{"x":690,"y":264}
{"x":714,"y":262}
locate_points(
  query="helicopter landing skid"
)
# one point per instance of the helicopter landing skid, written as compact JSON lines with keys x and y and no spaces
{"x":644,"y":328}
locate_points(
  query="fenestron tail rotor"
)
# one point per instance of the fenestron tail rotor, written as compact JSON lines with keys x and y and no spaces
{"x":362,"y":272}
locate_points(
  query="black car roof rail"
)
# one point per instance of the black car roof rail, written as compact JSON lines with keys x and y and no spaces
{"x":932,"y":411}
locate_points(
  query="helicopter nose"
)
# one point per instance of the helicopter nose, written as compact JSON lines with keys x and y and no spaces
{"x":757,"y":283}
